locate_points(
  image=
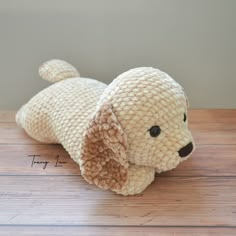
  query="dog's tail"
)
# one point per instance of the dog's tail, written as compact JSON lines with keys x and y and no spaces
{"x":56,"y":70}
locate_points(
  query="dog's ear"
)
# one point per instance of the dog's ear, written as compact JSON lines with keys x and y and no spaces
{"x":103,"y":158}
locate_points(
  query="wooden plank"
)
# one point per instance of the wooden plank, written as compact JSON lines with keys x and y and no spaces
{"x":194,"y":115}
{"x":212,"y":115}
{"x":214,"y":133}
{"x":69,"y":200}
{"x":115,"y":231}
{"x":10,"y":133}
{"x":203,"y":133}
{"x":36,"y":160}
{"x":7,"y":116}
{"x":207,"y":160}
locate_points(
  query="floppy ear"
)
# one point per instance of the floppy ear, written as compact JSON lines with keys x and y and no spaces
{"x":103,"y":151}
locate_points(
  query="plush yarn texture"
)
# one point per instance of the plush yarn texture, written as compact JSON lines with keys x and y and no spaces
{"x":120,"y":134}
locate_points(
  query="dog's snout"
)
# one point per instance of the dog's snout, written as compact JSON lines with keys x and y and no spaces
{"x":186,"y":150}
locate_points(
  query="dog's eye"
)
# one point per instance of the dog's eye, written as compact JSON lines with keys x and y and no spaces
{"x":155,"y":131}
{"x":185,"y":117}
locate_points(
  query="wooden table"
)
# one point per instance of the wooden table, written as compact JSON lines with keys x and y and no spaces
{"x":42,"y":192}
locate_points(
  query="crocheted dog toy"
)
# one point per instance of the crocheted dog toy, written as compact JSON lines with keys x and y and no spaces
{"x":120,"y":134}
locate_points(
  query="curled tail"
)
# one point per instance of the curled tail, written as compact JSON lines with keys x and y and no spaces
{"x":56,"y":70}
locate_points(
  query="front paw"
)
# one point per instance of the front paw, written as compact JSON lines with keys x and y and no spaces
{"x":158,"y":171}
{"x":139,"y":177}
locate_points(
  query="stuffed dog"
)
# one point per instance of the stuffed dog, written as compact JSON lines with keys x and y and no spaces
{"x":120,"y":134}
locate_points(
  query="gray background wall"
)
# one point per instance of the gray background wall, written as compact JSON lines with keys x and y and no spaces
{"x":192,"y":40}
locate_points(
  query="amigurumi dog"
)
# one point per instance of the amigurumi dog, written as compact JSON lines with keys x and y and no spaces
{"x":120,"y":134}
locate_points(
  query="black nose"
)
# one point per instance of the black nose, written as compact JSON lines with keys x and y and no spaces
{"x":186,"y":150}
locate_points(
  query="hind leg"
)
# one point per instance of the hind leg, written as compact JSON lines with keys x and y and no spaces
{"x":34,"y":118}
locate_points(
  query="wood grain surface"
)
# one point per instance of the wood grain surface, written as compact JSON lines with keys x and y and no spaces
{"x":43,"y":193}
{"x":114,"y":231}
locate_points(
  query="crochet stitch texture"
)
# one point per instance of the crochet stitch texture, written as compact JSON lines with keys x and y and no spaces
{"x":120,"y":134}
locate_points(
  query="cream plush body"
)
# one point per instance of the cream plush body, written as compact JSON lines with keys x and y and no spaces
{"x":120,"y":134}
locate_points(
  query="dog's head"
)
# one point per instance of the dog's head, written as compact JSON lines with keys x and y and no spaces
{"x":142,"y":119}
